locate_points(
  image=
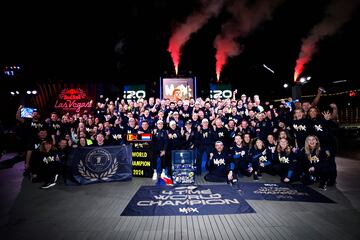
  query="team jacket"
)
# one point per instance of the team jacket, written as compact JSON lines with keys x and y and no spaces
{"x":301,"y":129}
{"x":205,"y":137}
{"x":318,"y":161}
{"x":239,"y":154}
{"x":117,"y":135}
{"x":287,"y":160}
{"x":219,"y":164}
{"x":160,"y":140}
{"x":261,"y":156}
{"x":175,"y":141}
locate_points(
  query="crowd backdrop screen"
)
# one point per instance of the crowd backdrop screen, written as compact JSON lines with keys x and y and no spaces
{"x":178,"y":88}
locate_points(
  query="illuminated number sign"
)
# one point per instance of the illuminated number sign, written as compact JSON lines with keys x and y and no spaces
{"x":134,"y":92}
{"x":222,"y":91}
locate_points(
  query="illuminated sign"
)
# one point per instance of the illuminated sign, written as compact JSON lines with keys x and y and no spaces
{"x":134,"y":92}
{"x":141,"y":154}
{"x":73,"y":100}
{"x":177,"y":89}
{"x":222,"y":91}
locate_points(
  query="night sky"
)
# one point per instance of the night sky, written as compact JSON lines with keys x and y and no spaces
{"x":126,"y":43}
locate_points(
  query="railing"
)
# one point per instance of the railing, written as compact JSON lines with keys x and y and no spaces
{"x":349,"y":116}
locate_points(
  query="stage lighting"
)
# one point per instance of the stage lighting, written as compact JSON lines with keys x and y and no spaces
{"x":17,"y":92}
{"x":269,"y":69}
{"x":34,"y":92}
{"x":308,"y":78}
{"x":286,"y":85}
{"x":28,"y":92}
{"x":302,"y":80}
{"x":12,"y":93}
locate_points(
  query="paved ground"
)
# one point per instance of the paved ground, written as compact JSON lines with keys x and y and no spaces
{"x":93,"y":212}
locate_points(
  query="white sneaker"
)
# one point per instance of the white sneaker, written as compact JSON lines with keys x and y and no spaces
{"x":163,"y":174}
{"x":56,"y":178}
{"x":155,"y":176}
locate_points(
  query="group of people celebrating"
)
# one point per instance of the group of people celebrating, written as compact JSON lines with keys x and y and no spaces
{"x":232,"y":137}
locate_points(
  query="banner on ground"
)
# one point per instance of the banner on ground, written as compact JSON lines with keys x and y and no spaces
{"x":101,"y":164}
{"x":281,"y":192}
{"x":186,"y":200}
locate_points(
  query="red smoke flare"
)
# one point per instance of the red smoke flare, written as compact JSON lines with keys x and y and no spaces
{"x":192,"y":24}
{"x":244,"y":20}
{"x":336,"y":14}
{"x":174,"y":50}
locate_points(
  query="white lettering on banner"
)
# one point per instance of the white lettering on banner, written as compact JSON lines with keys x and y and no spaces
{"x":279,"y":191}
{"x":188,"y":202}
{"x":188,"y":210}
{"x":187,"y":196}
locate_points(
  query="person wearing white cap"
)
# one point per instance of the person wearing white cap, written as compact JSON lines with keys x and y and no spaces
{"x":160,"y":142}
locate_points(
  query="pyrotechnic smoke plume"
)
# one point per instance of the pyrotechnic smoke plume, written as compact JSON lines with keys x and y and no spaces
{"x":208,"y":9}
{"x":243,"y":21}
{"x":336,"y":14}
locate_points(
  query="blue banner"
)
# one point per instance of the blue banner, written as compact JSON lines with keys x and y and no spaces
{"x":186,"y":200}
{"x":281,"y":192}
{"x":101,"y":164}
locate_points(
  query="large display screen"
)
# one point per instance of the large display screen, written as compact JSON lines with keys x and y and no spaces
{"x":134,"y":92}
{"x":178,"y":88}
{"x":222,"y":91}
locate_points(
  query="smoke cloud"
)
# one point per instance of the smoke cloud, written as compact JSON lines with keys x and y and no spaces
{"x":336,"y":15}
{"x":208,"y":9}
{"x":244,"y":20}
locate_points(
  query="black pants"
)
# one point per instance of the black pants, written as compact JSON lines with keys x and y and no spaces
{"x":214,"y":178}
{"x":35,"y":163}
{"x":241,"y":168}
{"x":266,"y":169}
{"x":281,"y":170}
{"x":322,"y":173}
{"x":49,"y":170}
{"x":200,"y":151}
{"x":156,"y":155}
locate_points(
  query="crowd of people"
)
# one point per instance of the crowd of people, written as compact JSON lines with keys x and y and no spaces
{"x":233,"y":137}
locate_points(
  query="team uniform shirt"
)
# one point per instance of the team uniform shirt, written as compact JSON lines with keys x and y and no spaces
{"x":285,"y":164}
{"x":160,"y":140}
{"x":189,"y":139}
{"x":219,"y":164}
{"x":264,"y":156}
{"x":301,"y":129}
{"x":117,"y":135}
{"x":175,"y":140}
{"x":221,"y":134}
{"x":205,"y":137}
{"x":240,"y":156}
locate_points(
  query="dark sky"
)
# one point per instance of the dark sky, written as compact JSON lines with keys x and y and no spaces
{"x":77,"y":43}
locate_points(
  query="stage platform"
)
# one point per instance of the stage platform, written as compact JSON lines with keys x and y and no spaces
{"x":93,"y":212}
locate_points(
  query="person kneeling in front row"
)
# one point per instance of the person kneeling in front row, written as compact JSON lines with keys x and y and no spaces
{"x":50,"y":164}
{"x":219,"y":166}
